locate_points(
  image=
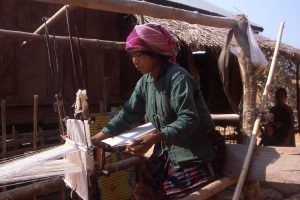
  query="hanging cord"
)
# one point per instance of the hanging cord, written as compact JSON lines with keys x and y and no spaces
{"x":44,"y":19}
{"x":57,"y":65}
{"x":55,"y":74}
{"x":59,"y":96}
{"x":80,"y":58}
{"x":71,"y":47}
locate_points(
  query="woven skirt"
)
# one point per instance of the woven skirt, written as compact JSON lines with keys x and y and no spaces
{"x":162,"y":181}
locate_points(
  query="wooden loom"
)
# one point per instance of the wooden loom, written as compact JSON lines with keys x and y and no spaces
{"x":73,"y":160}
{"x":70,"y":160}
{"x":268,"y":162}
{"x":273,"y":156}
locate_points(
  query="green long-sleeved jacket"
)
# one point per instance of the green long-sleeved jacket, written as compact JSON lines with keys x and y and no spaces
{"x":175,"y":106}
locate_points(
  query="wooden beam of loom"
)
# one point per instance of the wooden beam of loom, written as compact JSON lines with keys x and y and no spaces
{"x":63,"y":40}
{"x":150,"y":9}
{"x":38,"y":188}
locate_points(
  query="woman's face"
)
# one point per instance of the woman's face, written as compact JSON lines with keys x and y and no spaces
{"x":281,"y":98}
{"x":144,"y":63}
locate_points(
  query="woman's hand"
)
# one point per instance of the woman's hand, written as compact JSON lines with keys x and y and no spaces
{"x":141,"y":145}
{"x":98,"y":138}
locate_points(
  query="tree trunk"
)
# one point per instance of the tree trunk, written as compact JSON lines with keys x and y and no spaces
{"x":251,"y":188}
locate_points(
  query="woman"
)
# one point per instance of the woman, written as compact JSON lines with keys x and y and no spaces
{"x":283,"y":124}
{"x":171,"y":99}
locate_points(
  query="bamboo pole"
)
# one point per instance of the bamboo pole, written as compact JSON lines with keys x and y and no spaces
{"x":258,"y":119}
{"x":225,"y":117}
{"x":63,"y":40}
{"x":298,"y":95}
{"x":124,"y":164}
{"x":3,"y":125}
{"x":211,"y":189}
{"x":60,"y":116}
{"x":150,"y":9}
{"x":52,"y":20}
{"x":35,"y":121}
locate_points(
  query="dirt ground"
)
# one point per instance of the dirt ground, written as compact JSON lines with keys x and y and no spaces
{"x":269,"y":191}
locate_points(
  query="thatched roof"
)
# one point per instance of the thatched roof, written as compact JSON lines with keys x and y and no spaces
{"x":200,"y":37}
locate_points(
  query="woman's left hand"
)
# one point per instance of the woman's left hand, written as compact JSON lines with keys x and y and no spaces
{"x":141,"y":145}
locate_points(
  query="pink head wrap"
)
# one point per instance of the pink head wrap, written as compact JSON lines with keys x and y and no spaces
{"x":152,"y":37}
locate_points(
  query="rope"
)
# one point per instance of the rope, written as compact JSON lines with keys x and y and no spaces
{"x":71,"y":47}
{"x":44,"y":19}
{"x":56,"y":62}
{"x":80,"y":59}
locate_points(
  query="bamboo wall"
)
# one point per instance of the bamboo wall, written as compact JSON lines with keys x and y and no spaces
{"x":24,"y":70}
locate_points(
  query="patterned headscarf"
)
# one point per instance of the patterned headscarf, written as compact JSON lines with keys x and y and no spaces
{"x":152,"y":37}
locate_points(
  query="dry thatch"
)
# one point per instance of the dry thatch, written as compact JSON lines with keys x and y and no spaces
{"x":200,"y":37}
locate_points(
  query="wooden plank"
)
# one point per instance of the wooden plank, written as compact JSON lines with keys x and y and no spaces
{"x":271,"y":164}
{"x":35,"y":120}
{"x":150,"y":9}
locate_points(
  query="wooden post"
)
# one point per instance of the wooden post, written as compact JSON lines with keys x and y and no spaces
{"x":105,"y":93}
{"x":251,"y":123}
{"x":150,"y":9}
{"x":3,"y":125}
{"x":13,"y":130}
{"x":35,"y":121}
{"x":101,"y":107}
{"x":249,"y":94}
{"x":298,"y":95}
{"x":60,"y":116}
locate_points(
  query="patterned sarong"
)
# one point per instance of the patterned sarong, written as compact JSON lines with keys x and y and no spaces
{"x":170,"y":183}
